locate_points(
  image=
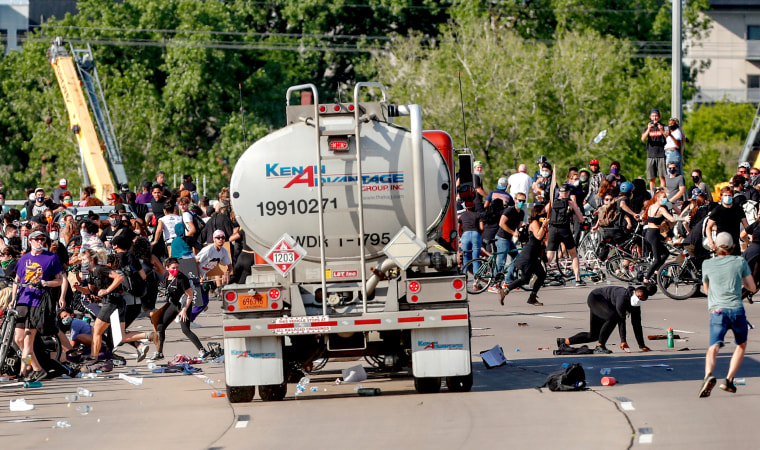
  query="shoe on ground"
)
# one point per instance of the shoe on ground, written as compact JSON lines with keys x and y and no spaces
{"x":601,"y":349}
{"x":493,"y":289}
{"x":142,"y":352}
{"x":707,"y":386}
{"x":533,"y":300}
{"x":38,"y":375}
{"x":156,"y":356}
{"x":203,"y":353}
{"x":728,"y":386}
{"x":579,"y":283}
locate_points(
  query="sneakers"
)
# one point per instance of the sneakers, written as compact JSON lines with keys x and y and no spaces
{"x":202,"y":354}
{"x":728,"y":386}
{"x":601,"y":349}
{"x":579,"y":283}
{"x":142,"y":351}
{"x":561,"y":342}
{"x":503,"y":293}
{"x":708,"y":385}
{"x":157,"y":356}
{"x":37,"y":375}
{"x":533,"y":300}
{"x":493,"y":289}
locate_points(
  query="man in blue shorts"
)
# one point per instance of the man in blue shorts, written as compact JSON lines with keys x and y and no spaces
{"x":723,"y":278}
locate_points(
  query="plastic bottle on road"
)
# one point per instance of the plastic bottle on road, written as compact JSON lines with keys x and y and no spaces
{"x":62,"y":424}
{"x":740,"y":381}
{"x":151,"y":365}
{"x":72,"y":398}
{"x":209,"y":381}
{"x":84,"y":409}
{"x":671,"y":344}
{"x":605,"y":371}
{"x":84,"y":392}
{"x":302,"y":384}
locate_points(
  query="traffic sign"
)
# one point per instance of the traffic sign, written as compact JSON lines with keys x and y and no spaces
{"x":285,"y":254}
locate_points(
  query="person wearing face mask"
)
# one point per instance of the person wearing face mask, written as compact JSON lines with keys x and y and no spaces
{"x":80,"y":332}
{"x":40,"y":205}
{"x":742,"y":187}
{"x":542,"y":186}
{"x":597,"y":177}
{"x":654,"y":136}
{"x":478,"y":172}
{"x":673,"y":140}
{"x":615,"y":178}
{"x":3,"y":207}
{"x":698,"y":209}
{"x":529,"y":263}
{"x":675,"y":186}
{"x":584,"y":180}
{"x":726,"y":217}
{"x":509,"y":223}
{"x":722,"y":280}
{"x":8,"y":260}
{"x":36,"y":271}
{"x":609,"y":307}
{"x":655,"y":213}
{"x":699,"y":183}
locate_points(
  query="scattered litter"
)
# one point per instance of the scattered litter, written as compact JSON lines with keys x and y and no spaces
{"x":62,"y":424}
{"x":338,"y":381}
{"x":87,"y":375}
{"x":84,"y":409}
{"x":557,"y":328}
{"x":241,"y":424}
{"x":683,"y":349}
{"x":152,"y":365}
{"x":660,"y":337}
{"x":314,"y":389}
{"x":134,"y":372}
{"x":219,"y":359}
{"x":609,"y":381}
{"x":209,"y":381}
{"x":522,"y":324}
{"x":4,"y":378}
{"x":301,"y":386}
{"x":218,"y":394}
{"x":669,"y":369}
{"x":182,"y":359}
{"x":740,"y":381}
{"x":72,"y":398}
{"x":137,"y":381}
{"x":544,"y":348}
{"x":25,"y":384}
{"x":605,"y":371}
{"x":20,"y":404}
{"x":354,"y":374}
{"x":627,"y":406}
{"x":369,"y":392}
{"x":82,"y":392}
{"x":493,"y":357}
{"x":517,"y":349}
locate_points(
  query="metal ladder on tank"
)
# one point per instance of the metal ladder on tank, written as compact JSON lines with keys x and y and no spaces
{"x":357,"y":184}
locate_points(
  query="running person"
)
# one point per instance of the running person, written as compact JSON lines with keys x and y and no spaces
{"x":655,"y":213}
{"x":529,"y":262}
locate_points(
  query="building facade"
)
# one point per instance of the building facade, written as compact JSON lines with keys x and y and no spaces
{"x":17,"y":17}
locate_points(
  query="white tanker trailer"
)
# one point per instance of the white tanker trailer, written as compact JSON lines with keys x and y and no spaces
{"x":355,"y":217}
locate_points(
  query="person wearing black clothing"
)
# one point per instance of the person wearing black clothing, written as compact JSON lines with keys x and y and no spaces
{"x":175,"y":286}
{"x":609,"y":307}
{"x":698,"y":210}
{"x":562,"y":210}
{"x":655,"y":213}
{"x":640,"y":195}
{"x":654,"y":136}
{"x":491,"y":219}
{"x":40,"y":204}
{"x":219,"y":221}
{"x":726,"y":217}
{"x":470,"y":227}
{"x":529,"y":262}
{"x":139,"y":209}
{"x":509,"y":224}
{"x":158,"y":201}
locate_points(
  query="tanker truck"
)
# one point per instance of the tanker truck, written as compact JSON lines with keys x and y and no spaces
{"x":355,"y":221}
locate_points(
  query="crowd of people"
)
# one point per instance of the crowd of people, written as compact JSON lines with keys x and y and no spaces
{"x":161,"y":247}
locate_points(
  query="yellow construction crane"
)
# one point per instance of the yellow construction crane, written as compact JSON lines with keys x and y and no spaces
{"x":72,"y":74}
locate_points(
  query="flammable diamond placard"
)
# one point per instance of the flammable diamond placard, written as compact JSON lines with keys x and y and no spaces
{"x":285,"y":254}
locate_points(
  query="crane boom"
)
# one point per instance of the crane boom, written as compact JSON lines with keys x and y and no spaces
{"x":96,"y":167}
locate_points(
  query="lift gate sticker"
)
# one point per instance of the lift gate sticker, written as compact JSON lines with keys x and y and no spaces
{"x":285,"y":254}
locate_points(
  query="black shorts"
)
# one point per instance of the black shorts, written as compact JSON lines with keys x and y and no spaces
{"x":22,"y":320}
{"x":107,"y":308}
{"x":560,"y":236}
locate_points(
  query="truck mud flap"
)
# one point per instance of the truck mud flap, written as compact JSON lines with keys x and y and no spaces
{"x":253,"y":361}
{"x":441,"y":352}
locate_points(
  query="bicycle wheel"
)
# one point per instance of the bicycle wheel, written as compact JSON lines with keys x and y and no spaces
{"x":589,"y":243}
{"x":621,"y":268}
{"x":677,"y":281}
{"x":6,"y":336}
{"x":479,"y":281}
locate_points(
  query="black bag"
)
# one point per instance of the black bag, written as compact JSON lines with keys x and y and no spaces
{"x":44,"y":317}
{"x":572,"y":378}
{"x":133,"y":282}
{"x":560,"y":213}
{"x":195,"y":241}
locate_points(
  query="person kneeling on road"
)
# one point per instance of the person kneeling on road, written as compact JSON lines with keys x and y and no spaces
{"x":609,"y":306}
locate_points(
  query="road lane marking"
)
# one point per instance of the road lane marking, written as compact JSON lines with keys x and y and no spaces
{"x":550,"y":317}
{"x":627,"y":406}
{"x":242,"y":421}
{"x":645,"y":435}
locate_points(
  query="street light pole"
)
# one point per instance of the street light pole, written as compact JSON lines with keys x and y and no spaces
{"x":675,"y":85}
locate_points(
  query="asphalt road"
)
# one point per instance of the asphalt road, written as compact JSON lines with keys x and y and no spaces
{"x":654,"y":403}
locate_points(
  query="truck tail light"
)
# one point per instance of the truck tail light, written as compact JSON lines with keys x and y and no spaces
{"x":274,"y":294}
{"x":458,"y":284}
{"x":338,"y":144}
{"x":414,"y":286}
{"x":230,"y":296}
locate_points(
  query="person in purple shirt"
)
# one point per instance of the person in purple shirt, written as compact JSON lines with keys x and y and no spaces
{"x":145,"y":197}
{"x":35,"y":271}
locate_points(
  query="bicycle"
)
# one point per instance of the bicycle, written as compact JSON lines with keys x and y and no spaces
{"x":680,"y":281}
{"x":487,"y":273}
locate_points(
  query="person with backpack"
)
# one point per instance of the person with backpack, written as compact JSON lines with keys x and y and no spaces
{"x":609,"y":306}
{"x":193,"y":224}
{"x":561,"y":211}
{"x":529,"y":263}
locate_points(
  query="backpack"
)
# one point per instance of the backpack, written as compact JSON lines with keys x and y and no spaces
{"x":608,"y":214}
{"x":560,"y":214}
{"x":133,"y":282}
{"x":750,"y":211}
{"x":573,"y":378}
{"x":195,"y":242}
{"x":44,"y":317}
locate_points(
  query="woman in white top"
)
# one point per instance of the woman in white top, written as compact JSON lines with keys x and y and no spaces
{"x":673,"y":140}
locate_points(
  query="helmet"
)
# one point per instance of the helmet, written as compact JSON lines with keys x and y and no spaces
{"x":745,"y":165}
{"x":593,"y":162}
{"x":542,"y":159}
{"x":626,"y":187}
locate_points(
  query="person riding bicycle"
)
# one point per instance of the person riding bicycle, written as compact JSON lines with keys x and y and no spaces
{"x":529,"y":262}
{"x":620,"y":231}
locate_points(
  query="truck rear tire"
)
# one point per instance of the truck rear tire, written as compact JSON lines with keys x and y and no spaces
{"x":459,"y":384}
{"x":273,"y":392}
{"x":427,"y":385}
{"x":240,"y":394}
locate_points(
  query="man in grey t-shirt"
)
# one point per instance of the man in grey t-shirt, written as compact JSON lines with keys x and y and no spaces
{"x":674,"y":184}
{"x":722,"y":279}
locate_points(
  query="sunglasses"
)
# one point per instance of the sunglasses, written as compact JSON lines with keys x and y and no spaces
{"x":219,"y":237}
{"x":37,"y":239}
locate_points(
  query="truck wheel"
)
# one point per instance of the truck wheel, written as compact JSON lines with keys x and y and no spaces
{"x":459,"y":384}
{"x":427,"y":385}
{"x":273,"y":392}
{"x":240,"y":394}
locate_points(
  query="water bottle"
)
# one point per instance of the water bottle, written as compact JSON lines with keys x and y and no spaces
{"x":152,"y":365}
{"x":84,"y":392}
{"x":62,"y":424}
{"x":27,"y":360}
{"x":605,"y":371}
{"x":209,"y":381}
{"x":118,"y":362}
{"x":88,"y":375}
{"x":84,"y":409}
{"x":671,"y":344}
{"x":369,"y":392}
{"x":740,"y":381}
{"x":302,"y":383}
{"x":72,"y":398}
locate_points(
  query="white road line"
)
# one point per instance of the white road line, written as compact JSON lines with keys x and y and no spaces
{"x":241,"y":424}
{"x":550,"y":317}
{"x":627,"y":406}
{"x":646,"y":438}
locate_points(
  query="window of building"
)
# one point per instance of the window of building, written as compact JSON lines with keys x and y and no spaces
{"x":753,"y":81}
{"x":753,"y":32}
